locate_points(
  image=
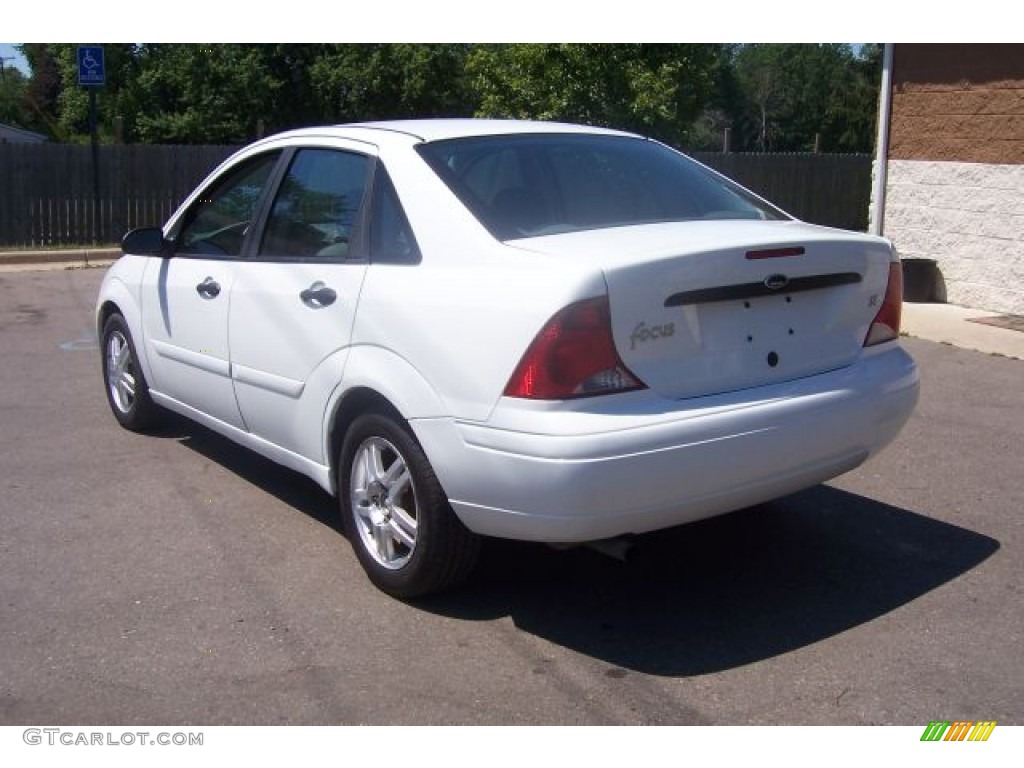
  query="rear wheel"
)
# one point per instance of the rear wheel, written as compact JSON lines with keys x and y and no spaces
{"x":127,"y":391}
{"x":395,"y":513}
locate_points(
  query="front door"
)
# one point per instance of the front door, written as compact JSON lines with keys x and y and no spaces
{"x":185,"y":297}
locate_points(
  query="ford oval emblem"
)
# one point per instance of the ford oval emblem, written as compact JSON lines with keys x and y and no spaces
{"x":776,"y":282}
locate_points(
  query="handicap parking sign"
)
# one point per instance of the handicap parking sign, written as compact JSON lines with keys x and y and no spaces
{"x":90,"y":65}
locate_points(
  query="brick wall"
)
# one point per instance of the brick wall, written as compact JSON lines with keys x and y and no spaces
{"x":955,"y":186}
{"x":958,"y":102}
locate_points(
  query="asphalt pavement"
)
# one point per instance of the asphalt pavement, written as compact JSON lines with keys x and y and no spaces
{"x":177,"y":579}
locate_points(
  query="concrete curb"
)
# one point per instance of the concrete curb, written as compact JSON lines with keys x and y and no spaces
{"x":950,"y":324}
{"x":82,"y":256}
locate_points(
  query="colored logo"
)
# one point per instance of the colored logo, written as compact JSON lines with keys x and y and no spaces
{"x":958,"y":730}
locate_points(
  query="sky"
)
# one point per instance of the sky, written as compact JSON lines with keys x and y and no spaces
{"x":7,"y":50}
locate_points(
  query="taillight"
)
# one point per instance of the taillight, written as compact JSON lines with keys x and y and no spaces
{"x":573,"y":356}
{"x":886,"y":325}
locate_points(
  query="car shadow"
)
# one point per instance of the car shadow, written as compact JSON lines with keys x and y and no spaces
{"x":724,"y":592}
{"x":700,"y":598}
{"x":293,"y":488}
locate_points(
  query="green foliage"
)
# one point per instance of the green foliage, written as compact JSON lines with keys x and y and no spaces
{"x":654,"y":89}
{"x":23,"y":102}
{"x":13,"y":86}
{"x":207,"y":93}
{"x":790,"y":92}
{"x":707,"y":131}
{"x":773,"y":96}
{"x":362,"y":82}
{"x":72,"y":100}
{"x":43,"y":88}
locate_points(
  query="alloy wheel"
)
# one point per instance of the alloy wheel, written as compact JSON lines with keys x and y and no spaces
{"x":384,"y":504}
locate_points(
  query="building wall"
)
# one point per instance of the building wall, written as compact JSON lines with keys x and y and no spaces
{"x":955,"y":187}
{"x":969,"y":217}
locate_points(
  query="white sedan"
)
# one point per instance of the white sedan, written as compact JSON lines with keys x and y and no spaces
{"x":467,"y":328}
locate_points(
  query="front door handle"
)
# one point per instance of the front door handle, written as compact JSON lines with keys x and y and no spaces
{"x":209,"y":288}
{"x":318,"y":295}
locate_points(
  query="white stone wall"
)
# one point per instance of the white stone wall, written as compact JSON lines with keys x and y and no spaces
{"x":969,"y":217}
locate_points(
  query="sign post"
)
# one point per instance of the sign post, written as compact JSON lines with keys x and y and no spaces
{"x":92,"y":74}
{"x":90,"y":65}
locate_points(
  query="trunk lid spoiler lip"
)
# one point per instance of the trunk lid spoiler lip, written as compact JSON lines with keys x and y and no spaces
{"x":772,"y":285}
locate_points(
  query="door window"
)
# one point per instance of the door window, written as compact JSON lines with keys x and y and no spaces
{"x":217,"y":224}
{"x":315,"y":213}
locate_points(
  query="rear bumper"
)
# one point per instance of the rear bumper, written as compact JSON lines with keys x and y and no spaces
{"x":636,"y":462}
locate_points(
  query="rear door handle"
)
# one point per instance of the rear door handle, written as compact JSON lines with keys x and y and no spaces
{"x":318,"y":295}
{"x":209,"y":288}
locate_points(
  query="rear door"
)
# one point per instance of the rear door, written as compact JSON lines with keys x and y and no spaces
{"x":294,"y":299}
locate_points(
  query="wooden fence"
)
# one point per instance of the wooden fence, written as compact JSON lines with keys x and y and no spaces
{"x":48,"y":200}
{"x":47,"y":195}
{"x":823,"y":189}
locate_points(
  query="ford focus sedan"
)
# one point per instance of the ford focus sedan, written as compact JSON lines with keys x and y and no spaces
{"x":536,"y":331}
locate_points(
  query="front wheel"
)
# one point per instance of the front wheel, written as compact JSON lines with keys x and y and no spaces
{"x":127,"y":391}
{"x":395,"y":513}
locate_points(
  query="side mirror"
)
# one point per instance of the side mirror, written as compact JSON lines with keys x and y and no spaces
{"x":148,"y":241}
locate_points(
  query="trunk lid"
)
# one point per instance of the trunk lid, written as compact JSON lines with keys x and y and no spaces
{"x":714,"y":306}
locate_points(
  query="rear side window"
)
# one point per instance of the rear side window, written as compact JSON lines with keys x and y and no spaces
{"x":391,"y":237}
{"x":526,"y":186}
{"x":315,"y":213}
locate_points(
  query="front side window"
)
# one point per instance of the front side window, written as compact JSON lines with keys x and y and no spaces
{"x":217,"y":224}
{"x":532,"y":185}
{"x":315,"y":213}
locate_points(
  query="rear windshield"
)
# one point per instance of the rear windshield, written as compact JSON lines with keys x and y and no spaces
{"x":532,"y":185}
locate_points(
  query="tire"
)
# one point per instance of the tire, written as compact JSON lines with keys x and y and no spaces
{"x":395,"y":513}
{"x":126,"y":387}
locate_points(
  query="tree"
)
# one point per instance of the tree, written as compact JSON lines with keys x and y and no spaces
{"x":791,"y":93}
{"x":774,"y":97}
{"x":362,"y":82}
{"x":13,"y":86}
{"x":707,"y":132}
{"x":222,"y":93}
{"x":853,"y":112}
{"x":72,"y":100}
{"x":193,"y":93}
{"x":187,"y":93}
{"x":653,"y":89}
{"x":41,"y":90}
{"x":759,"y":72}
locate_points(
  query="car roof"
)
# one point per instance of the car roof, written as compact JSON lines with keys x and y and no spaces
{"x":437,"y":129}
